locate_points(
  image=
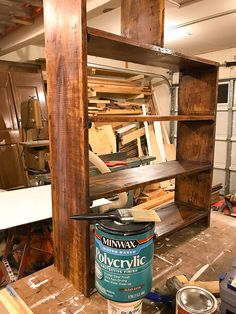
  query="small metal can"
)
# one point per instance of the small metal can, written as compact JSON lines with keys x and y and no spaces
{"x":195,"y":300}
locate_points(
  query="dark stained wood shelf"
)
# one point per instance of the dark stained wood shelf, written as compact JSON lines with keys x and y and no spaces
{"x":149,"y":118}
{"x":175,"y":217}
{"x":108,"y":184}
{"x":111,"y":46}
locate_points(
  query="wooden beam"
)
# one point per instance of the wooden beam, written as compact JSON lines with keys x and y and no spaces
{"x":65,"y":32}
{"x":143,"y":20}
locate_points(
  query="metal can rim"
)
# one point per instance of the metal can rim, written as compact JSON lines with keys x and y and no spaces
{"x":191,"y":310}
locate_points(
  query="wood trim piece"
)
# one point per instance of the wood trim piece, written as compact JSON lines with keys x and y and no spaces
{"x":66,"y":51}
{"x":149,"y":118}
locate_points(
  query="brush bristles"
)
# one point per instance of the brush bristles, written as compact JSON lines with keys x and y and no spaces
{"x":144,"y":215}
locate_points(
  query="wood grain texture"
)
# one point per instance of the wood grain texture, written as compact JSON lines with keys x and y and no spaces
{"x":149,"y":118}
{"x":12,"y":173}
{"x":108,"y":184}
{"x":111,"y":46}
{"x":195,"y":140}
{"x":143,"y":20}
{"x":66,"y":47}
{"x":175,"y":217}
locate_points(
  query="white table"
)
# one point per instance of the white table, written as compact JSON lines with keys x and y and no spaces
{"x":28,"y":205}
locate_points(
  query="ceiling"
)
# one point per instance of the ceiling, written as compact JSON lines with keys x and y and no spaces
{"x":14,"y":13}
{"x":201,"y":26}
{"x":191,"y":26}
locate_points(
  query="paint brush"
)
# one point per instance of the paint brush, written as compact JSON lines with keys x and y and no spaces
{"x":123,"y":215}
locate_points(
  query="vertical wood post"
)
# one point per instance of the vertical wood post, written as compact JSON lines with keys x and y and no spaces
{"x":66,"y":55}
{"x":196,"y":140}
{"x":143,"y":20}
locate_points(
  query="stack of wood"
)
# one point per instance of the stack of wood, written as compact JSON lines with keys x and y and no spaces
{"x":116,"y":96}
{"x":153,"y":196}
{"x":215,"y":193}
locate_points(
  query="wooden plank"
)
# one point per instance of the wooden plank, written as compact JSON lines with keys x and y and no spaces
{"x":67,"y":94}
{"x":108,"y":184}
{"x":102,"y":139}
{"x":151,"y":118}
{"x":111,"y":46}
{"x":116,"y":89}
{"x":196,"y":139}
{"x":170,"y":152}
{"x":147,"y":134}
{"x":135,"y":78}
{"x":143,"y":20}
{"x":158,"y":111}
{"x":155,"y":202}
{"x":159,"y":139}
{"x":111,"y":111}
{"x":11,"y":303}
{"x":155,"y":150}
{"x":127,"y":138}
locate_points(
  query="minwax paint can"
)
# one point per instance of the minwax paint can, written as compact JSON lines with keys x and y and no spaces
{"x":123,"y":260}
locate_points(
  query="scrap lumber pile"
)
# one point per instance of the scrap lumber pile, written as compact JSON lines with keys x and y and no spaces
{"x":131,"y":96}
{"x":116,"y":96}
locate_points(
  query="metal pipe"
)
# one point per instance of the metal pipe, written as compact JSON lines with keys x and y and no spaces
{"x":128,"y":71}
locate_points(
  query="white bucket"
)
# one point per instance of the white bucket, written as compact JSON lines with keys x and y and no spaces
{"x":125,"y":308}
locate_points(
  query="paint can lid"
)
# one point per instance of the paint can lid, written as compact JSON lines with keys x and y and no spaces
{"x":113,"y":227}
{"x":196,"y":300}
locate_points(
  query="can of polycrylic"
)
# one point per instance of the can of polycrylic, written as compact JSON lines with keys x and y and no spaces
{"x":123,"y":260}
{"x":195,"y":300}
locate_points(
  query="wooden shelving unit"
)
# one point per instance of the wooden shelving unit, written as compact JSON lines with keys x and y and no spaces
{"x":67,"y":95}
{"x":196,"y":125}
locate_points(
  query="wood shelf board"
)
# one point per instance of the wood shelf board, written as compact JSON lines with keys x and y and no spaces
{"x":175,"y":217}
{"x":111,"y":46}
{"x":149,"y":118}
{"x":39,"y":143}
{"x":108,"y":184}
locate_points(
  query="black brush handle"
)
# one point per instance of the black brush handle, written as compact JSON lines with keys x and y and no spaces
{"x":96,"y":217}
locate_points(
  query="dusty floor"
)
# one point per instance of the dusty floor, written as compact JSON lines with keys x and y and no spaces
{"x":194,"y":250}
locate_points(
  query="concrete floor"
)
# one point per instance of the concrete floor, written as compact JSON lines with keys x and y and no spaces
{"x":195,"y":249}
{"x":209,"y":251}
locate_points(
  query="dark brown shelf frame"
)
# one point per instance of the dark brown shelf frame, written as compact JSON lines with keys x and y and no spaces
{"x":111,"y":46}
{"x":108,"y":184}
{"x":68,"y":120}
{"x":175,"y":217}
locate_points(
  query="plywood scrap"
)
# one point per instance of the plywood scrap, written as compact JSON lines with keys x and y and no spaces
{"x":132,"y":136}
{"x":170,"y":152}
{"x":102,"y":139}
{"x":158,"y":135}
{"x":11,"y":302}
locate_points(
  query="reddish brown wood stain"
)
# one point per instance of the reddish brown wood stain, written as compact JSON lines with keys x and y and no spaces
{"x":143,"y":20}
{"x":66,"y":47}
